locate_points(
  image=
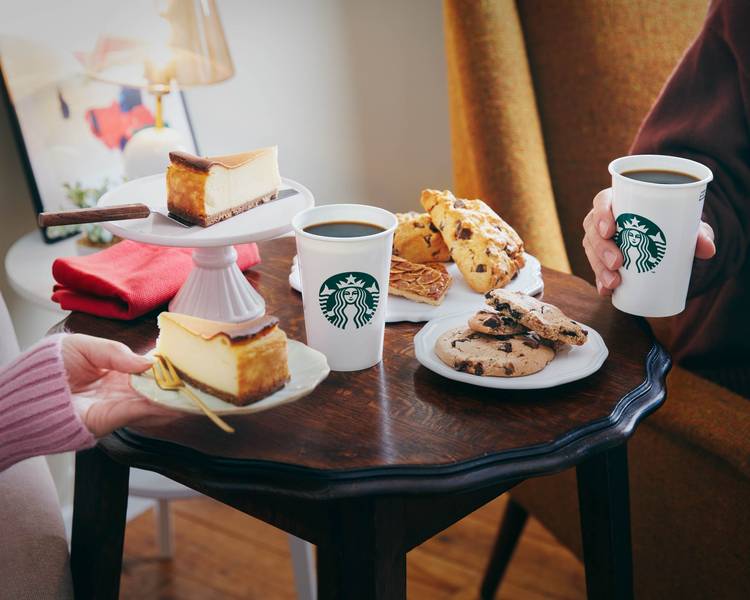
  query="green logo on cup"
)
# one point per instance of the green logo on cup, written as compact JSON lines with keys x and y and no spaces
{"x":641,"y":241}
{"x":350,"y":297}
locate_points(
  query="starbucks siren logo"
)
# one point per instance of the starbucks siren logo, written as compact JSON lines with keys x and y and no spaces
{"x":349,"y":298}
{"x":641,"y":241}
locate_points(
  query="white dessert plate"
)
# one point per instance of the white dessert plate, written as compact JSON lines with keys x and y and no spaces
{"x":459,"y":296}
{"x":255,"y":225}
{"x":307,"y":367}
{"x":570,"y":364}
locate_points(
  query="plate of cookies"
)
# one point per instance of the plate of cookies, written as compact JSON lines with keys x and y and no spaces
{"x":446,"y":258}
{"x":516,"y":342}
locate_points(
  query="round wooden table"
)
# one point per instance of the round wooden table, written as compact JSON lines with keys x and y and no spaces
{"x":375,"y":462}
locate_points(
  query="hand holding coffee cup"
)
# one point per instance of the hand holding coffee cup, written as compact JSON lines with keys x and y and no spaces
{"x":656,"y":268}
{"x":604,"y":255}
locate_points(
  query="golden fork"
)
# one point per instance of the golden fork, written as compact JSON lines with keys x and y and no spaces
{"x":167,"y":379}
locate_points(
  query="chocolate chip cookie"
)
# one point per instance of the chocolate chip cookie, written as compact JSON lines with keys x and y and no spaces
{"x":492,"y":323}
{"x":545,"y":319}
{"x":466,"y":350}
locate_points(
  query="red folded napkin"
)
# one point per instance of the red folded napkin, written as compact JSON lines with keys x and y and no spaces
{"x":129,"y":279}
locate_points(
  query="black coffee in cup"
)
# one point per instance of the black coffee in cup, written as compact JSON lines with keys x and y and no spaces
{"x":660,"y":176}
{"x":344,"y":229}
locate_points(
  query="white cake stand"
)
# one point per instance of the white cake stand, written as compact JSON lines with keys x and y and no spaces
{"x":216,"y":288}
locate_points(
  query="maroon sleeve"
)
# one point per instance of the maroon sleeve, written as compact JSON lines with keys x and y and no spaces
{"x":702,"y":114}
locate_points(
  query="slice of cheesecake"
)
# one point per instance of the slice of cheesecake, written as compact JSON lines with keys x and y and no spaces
{"x":237,"y":362}
{"x":208,"y":190}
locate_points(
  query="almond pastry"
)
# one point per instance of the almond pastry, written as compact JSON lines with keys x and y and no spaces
{"x":417,"y":282}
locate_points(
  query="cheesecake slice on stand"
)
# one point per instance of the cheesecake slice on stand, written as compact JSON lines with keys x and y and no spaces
{"x":207,"y":190}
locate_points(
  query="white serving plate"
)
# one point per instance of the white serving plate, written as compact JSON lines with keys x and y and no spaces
{"x":570,"y":364}
{"x":307,"y":367}
{"x":459,"y":296}
{"x":261,"y":223}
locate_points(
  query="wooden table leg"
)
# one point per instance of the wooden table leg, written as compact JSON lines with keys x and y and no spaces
{"x":605,"y":525}
{"x":366,"y":556}
{"x":99,"y":508}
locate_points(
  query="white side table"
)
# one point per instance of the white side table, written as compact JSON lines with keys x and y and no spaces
{"x":28,"y":266}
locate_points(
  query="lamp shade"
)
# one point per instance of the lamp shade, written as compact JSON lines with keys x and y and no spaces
{"x":158,"y":43}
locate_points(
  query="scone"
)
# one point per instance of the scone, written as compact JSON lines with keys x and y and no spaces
{"x":488,"y":251}
{"x":545,"y":319}
{"x":470,"y":352}
{"x":416,"y":239}
{"x":492,"y":323}
{"x":420,"y":283}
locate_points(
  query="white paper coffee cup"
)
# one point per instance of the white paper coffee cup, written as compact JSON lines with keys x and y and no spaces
{"x":345,"y":284}
{"x":657,"y":228}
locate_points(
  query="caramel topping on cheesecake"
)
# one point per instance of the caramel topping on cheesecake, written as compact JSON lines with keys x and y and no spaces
{"x":235,"y":332}
{"x":204,"y":164}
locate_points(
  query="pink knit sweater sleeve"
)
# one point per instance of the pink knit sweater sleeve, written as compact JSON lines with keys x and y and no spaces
{"x":36,"y":409}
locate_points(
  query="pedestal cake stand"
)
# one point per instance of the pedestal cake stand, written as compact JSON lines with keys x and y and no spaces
{"x":216,"y":288}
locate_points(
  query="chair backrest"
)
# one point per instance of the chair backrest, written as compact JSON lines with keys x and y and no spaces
{"x":8,"y":342}
{"x":544,"y":94}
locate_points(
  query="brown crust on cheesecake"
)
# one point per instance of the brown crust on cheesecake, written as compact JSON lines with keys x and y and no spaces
{"x":249,"y":330}
{"x":190,"y":161}
{"x":249,"y":398}
{"x":205,"y":220}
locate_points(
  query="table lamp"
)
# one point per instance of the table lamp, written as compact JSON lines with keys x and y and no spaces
{"x":160,"y":46}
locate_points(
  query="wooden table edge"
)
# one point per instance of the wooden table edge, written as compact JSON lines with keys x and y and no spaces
{"x":291,"y":480}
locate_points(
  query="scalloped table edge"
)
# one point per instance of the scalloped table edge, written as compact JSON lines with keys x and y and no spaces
{"x":306,"y":482}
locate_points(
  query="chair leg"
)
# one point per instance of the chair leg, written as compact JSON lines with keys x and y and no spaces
{"x":511,"y":528}
{"x":303,"y":565}
{"x":164,"y":529}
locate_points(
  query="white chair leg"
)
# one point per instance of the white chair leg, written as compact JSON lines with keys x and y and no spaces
{"x":303,"y":564}
{"x":164,"y":528}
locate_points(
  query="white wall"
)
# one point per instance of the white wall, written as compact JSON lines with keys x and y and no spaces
{"x":352,"y":91}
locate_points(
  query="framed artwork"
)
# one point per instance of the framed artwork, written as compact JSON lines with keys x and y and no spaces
{"x":70,"y":130}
